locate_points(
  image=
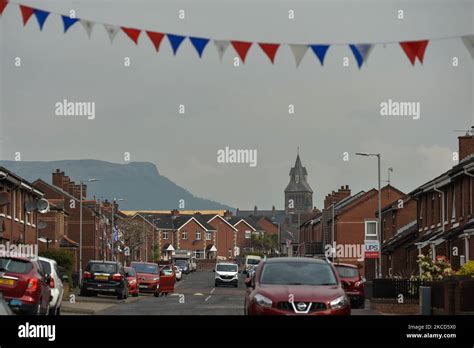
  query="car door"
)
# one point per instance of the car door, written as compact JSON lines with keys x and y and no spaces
{"x":58,"y":282}
{"x":44,"y":286}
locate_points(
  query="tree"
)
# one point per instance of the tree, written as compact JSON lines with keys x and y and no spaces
{"x":263,"y":243}
{"x":133,"y":233}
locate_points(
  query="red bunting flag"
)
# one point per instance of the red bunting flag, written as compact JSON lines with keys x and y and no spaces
{"x":132,"y":34}
{"x":155,"y":38}
{"x":414,"y":49}
{"x":270,"y":50}
{"x":242,"y":48}
{"x":3,"y":4}
{"x":26,"y":13}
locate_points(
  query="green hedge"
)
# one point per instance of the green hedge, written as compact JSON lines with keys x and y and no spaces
{"x":63,"y":258}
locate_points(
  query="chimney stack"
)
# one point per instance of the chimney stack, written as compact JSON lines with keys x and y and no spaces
{"x":466,"y":145}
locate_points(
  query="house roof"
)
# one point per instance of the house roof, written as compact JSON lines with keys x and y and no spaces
{"x":15,"y":179}
{"x":169,"y":222}
{"x":246,"y":220}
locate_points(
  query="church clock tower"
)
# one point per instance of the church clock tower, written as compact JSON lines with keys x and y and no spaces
{"x":298,"y":193}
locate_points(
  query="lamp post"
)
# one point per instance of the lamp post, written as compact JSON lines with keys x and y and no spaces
{"x":378,"y":265}
{"x":112,"y":222}
{"x":81,"y":198}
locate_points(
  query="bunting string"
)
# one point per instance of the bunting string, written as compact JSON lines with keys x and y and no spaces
{"x":414,"y":50}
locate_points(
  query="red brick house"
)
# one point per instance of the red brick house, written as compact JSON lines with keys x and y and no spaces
{"x":354,"y":217}
{"x":226,"y":236}
{"x":17,"y":225}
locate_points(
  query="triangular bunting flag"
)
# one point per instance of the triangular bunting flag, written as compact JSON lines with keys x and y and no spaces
{"x":320,"y":51}
{"x":112,"y":31}
{"x":41,"y":17}
{"x":270,"y":50}
{"x":361,"y":52}
{"x":88,"y":25}
{"x":298,"y":52}
{"x":414,"y":49}
{"x":68,"y":22}
{"x":175,"y":41}
{"x":155,"y":38}
{"x":221,"y":46}
{"x":3,"y":4}
{"x":242,"y":48}
{"x":469,"y":43}
{"x":132,"y":34}
{"x":199,"y":44}
{"x":26,"y":13}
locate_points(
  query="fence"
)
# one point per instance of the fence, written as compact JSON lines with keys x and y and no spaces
{"x":393,"y":288}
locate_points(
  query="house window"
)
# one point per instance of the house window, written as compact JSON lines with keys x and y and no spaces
{"x":184,"y":235}
{"x":371,"y":230}
{"x":208,"y":236}
{"x":198,"y":235}
{"x":248,"y":234}
{"x":199,"y":254}
{"x":165,"y":235}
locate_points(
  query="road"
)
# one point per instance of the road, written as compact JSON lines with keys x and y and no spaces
{"x":194,"y":295}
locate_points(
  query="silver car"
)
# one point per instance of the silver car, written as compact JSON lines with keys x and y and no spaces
{"x":57,"y":289}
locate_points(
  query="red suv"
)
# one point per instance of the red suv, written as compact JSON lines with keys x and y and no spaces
{"x":290,"y":285}
{"x":24,"y":285}
{"x":132,"y":281}
{"x":352,"y":283}
{"x":148,"y":275}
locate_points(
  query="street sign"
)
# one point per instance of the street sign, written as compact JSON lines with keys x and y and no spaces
{"x":372,"y":249}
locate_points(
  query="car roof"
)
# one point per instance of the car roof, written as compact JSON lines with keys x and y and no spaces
{"x":41,"y":258}
{"x":145,"y":263}
{"x":294,"y":259}
{"x":226,"y":263}
{"x":345,"y":265}
{"x":101,"y":261}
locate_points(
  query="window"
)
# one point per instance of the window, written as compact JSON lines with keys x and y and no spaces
{"x":198,"y":235}
{"x":208,"y":235}
{"x":165,"y":235}
{"x":248,"y":234}
{"x":184,"y":235}
{"x":371,"y":230}
{"x":199,"y":254}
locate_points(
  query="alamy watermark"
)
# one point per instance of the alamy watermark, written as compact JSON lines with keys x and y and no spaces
{"x":400,"y":108}
{"x":241,"y":156}
{"x":69,"y":108}
{"x":29,"y":251}
{"x":346,"y":251}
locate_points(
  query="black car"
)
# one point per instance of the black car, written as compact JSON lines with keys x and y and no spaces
{"x":183,"y":266}
{"x":104,"y":277}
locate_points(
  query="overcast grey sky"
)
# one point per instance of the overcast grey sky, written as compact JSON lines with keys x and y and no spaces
{"x":336,"y":107}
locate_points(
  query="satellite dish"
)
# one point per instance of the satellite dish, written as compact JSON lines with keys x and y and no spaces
{"x":42,"y":205}
{"x":42,"y":225}
{"x":42,"y":240}
{"x":4,"y":198}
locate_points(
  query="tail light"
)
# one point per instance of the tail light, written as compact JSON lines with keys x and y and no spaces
{"x":87,"y":275}
{"x":51,"y":283}
{"x":32,"y":285}
{"x":117,"y":277}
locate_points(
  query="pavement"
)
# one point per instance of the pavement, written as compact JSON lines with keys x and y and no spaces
{"x":195,"y":294}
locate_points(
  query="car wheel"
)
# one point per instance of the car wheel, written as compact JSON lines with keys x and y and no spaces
{"x":121,"y":295}
{"x":58,"y":311}
{"x":52,"y":311}
{"x":38,"y":308}
{"x":156,"y":294}
{"x":46,"y":312}
{"x":135,"y":295}
{"x":84,"y":292}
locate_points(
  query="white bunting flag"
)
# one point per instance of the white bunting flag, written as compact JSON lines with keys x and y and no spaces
{"x":221,"y":46}
{"x":112,"y":30}
{"x":469,"y":43}
{"x":298,"y":52}
{"x":88,"y":25}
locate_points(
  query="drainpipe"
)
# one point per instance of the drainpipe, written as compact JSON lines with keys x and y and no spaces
{"x":433,"y":249}
{"x":419,"y":246}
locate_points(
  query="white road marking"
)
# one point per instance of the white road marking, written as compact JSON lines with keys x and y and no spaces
{"x":207,"y":298}
{"x":212,"y":291}
{"x":198,"y":294}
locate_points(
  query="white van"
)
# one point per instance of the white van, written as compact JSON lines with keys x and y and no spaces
{"x":250,"y":260}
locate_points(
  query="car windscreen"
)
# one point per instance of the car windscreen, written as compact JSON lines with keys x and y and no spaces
{"x":347,"y":272}
{"x":130,"y":271}
{"x":181,"y":262}
{"x":46,"y":266}
{"x":102,"y":268}
{"x":145,"y":268}
{"x":298,"y":273}
{"x":253,"y":261}
{"x":226,"y":268}
{"x":15,"y":265}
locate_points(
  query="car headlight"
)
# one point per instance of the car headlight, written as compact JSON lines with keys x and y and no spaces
{"x":133,"y":281}
{"x":263,"y":301}
{"x":155,"y":279}
{"x":339,"y":302}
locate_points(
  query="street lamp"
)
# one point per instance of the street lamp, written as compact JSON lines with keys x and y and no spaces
{"x":378,"y":265}
{"x":80,"y":226}
{"x":112,"y":221}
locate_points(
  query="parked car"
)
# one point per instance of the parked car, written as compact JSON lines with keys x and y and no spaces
{"x":148,"y":275}
{"x":226,"y":274}
{"x":177,"y":273}
{"x":132,"y":281}
{"x":183,"y":265}
{"x":55,"y":283}
{"x":25,"y":285}
{"x":193,"y":264}
{"x":352,"y":283}
{"x":289,"y":285}
{"x":167,"y":280}
{"x":250,"y":261}
{"x":106,"y":278}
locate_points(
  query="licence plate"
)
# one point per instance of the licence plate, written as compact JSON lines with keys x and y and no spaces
{"x":101,"y":277}
{"x":6,"y":281}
